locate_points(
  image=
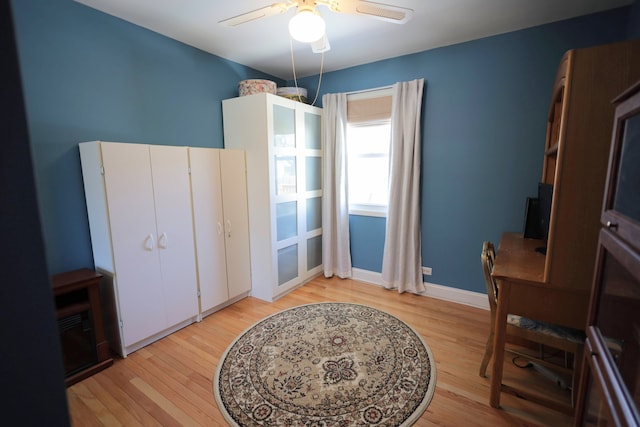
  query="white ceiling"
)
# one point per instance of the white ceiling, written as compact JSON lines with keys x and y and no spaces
{"x":265,"y":44}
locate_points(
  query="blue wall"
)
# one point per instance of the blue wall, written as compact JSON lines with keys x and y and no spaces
{"x":88,"y":76}
{"x":483,"y":126}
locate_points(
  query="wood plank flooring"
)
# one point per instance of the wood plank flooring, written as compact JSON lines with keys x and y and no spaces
{"x":169,"y":383}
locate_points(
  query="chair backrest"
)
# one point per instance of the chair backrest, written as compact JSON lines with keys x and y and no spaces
{"x":488,"y":257}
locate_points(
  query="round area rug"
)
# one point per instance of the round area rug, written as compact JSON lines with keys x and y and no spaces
{"x":326,"y":365}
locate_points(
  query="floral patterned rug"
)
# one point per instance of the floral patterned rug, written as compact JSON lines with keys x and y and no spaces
{"x":326,"y":364}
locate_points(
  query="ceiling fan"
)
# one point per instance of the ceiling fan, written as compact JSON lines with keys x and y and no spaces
{"x":308,"y":26}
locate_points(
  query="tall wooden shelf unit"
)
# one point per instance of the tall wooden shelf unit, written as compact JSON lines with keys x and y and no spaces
{"x":579,"y":126}
{"x":610,"y":392}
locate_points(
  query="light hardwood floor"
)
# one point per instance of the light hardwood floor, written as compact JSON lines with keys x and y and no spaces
{"x":170,"y":381}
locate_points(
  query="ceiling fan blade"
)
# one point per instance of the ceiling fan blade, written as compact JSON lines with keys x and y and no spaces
{"x":263,"y":12}
{"x":386,"y":12}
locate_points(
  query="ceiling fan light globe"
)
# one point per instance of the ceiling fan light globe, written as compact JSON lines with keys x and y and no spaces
{"x":306,"y":26}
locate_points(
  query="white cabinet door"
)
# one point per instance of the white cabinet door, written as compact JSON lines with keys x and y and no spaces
{"x":287,"y":181}
{"x":129,"y":192}
{"x":236,"y":221}
{"x":206,"y":188}
{"x":219,"y":194}
{"x":296,"y":156}
{"x":175,"y":242}
{"x":311,"y":197}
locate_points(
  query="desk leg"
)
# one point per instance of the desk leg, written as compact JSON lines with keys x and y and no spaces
{"x":499,"y":343}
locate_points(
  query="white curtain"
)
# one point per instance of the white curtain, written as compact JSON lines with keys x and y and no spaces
{"x":402,"y":257}
{"x":336,"y":253}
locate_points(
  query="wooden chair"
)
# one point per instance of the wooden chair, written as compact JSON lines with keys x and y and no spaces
{"x":570,"y":341}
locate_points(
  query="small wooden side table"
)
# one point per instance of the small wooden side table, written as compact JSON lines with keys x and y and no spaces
{"x":82,"y":338}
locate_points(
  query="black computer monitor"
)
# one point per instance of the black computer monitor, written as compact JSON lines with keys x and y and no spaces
{"x":545,"y":197}
{"x":538,"y":212}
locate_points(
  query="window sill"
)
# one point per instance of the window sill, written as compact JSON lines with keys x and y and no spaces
{"x":376,"y":212}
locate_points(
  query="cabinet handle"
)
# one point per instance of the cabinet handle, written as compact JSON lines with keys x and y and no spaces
{"x":612,"y":225}
{"x":219,"y":228}
{"x":229,"y":228}
{"x":163,"y":241}
{"x":149,"y":243}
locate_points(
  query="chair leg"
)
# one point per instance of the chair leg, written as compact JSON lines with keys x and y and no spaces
{"x":488,"y":351}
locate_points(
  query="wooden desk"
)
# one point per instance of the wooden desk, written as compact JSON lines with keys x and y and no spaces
{"x":519,"y":273}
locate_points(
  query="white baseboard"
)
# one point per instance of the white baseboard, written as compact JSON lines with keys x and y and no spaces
{"x":447,"y":293}
{"x":367,"y":276}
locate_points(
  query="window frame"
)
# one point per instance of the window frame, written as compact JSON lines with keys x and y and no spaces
{"x":370,"y":209}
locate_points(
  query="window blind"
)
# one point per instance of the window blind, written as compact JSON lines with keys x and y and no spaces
{"x":369,"y":106}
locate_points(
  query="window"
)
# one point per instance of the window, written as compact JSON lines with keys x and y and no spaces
{"x":368,"y":142}
{"x":368,"y":163}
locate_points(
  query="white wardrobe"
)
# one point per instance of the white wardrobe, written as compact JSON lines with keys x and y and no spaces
{"x":221,"y":223}
{"x":282,"y":142}
{"x":140,"y":206}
